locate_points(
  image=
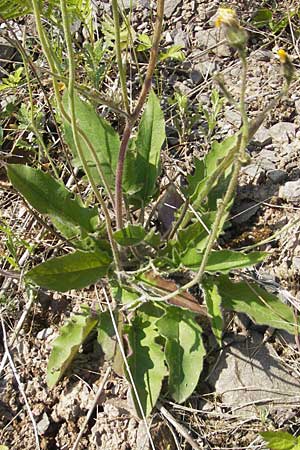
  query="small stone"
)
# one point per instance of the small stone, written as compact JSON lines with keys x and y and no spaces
{"x":296,"y":263}
{"x":202,"y":71}
{"x":297,"y":105}
{"x":277,"y":176}
{"x":283,"y":132}
{"x":233,"y":117}
{"x":262,"y":136}
{"x":263,"y":55}
{"x":170,"y":6}
{"x":127,"y":4}
{"x":244,"y":211}
{"x":181,"y":38}
{"x":43,"y":424}
{"x":253,"y":171}
{"x":249,"y":377}
{"x":6,"y":51}
{"x":290,"y":191}
{"x":209,"y":39}
{"x":43,"y":334}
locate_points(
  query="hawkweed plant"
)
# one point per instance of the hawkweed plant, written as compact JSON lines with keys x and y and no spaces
{"x":116,"y":239}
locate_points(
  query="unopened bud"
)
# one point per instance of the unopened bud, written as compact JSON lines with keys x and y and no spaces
{"x":287,"y":66}
{"x":235,"y":34}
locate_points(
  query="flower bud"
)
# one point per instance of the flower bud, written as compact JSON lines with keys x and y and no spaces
{"x":235,"y":34}
{"x":287,"y":66}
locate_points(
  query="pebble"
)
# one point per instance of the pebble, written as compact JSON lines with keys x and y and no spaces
{"x":6,"y":51}
{"x":203,"y":70}
{"x":296,"y":263}
{"x":262,"y":137}
{"x":283,"y":132}
{"x":170,"y":6}
{"x":209,"y":38}
{"x":181,"y":38}
{"x":277,"y":176}
{"x":43,"y":334}
{"x":249,"y":378}
{"x":233,"y":117}
{"x":43,"y":424}
{"x":290,"y":191}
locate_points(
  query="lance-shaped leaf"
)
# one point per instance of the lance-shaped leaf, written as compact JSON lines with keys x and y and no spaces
{"x":130,"y":235}
{"x":184,"y":351}
{"x":51,"y":197}
{"x":150,"y":137}
{"x":222,"y":260}
{"x":261,"y":306}
{"x":103,"y":138}
{"x":67,"y":344}
{"x":146,"y":360}
{"x":74,"y":271}
{"x":213,"y":302}
{"x":207,"y":166}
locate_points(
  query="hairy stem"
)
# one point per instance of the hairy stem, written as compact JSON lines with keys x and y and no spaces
{"x":75,"y":132}
{"x":119,"y":54}
{"x":134,"y":116}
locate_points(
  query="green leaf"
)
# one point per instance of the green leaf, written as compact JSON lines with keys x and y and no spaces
{"x":213,"y":302}
{"x":74,"y":271}
{"x":146,"y":361}
{"x":206,"y":167}
{"x":130,"y":235}
{"x":174,"y":52}
{"x":150,"y":137}
{"x":262,"y":17}
{"x":184,"y":351}
{"x":124,"y":295}
{"x":106,"y":335}
{"x":50,"y":197}
{"x":222,"y":261}
{"x":11,"y":9}
{"x":279,"y":440}
{"x":261,"y":306}
{"x":102,"y":136}
{"x":67,"y":344}
{"x":145,"y":42}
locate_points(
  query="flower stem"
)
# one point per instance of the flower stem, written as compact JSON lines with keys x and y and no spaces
{"x":134,"y":116}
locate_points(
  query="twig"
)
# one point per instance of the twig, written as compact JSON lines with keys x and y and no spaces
{"x":179,"y":428}
{"x":19,"y":326}
{"x":22,"y":392}
{"x":90,"y":412}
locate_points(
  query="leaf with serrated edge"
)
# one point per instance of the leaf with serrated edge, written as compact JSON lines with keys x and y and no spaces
{"x":184,"y":351}
{"x":146,"y":360}
{"x":213,"y":302}
{"x":130,"y":235}
{"x":102,"y":136}
{"x":67,"y":344}
{"x":74,"y":271}
{"x":222,"y":260}
{"x":51,"y":197}
{"x":279,"y":440}
{"x":261,"y":306}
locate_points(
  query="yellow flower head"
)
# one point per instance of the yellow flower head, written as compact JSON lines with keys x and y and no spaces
{"x":288,"y":69}
{"x":283,"y":56}
{"x":226,"y":16}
